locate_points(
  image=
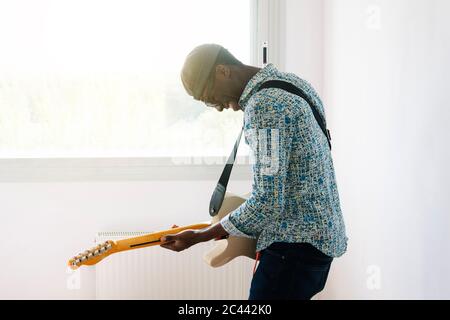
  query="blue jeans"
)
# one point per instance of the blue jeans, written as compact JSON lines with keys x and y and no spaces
{"x":290,"y":271}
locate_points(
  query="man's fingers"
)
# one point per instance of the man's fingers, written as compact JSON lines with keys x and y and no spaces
{"x":170,"y":246}
{"x":167,"y":246}
{"x":168,"y":238}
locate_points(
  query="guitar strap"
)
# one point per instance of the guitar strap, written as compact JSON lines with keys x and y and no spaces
{"x":221,"y":187}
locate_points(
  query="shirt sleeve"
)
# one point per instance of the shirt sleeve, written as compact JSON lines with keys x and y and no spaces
{"x":268,"y":130}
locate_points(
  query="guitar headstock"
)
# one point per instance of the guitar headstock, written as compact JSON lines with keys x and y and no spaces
{"x":93,"y":255}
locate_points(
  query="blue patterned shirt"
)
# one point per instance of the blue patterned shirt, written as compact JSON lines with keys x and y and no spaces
{"x":294,"y":195}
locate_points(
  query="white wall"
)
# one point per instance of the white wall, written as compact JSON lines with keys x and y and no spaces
{"x":386,"y":80}
{"x":302,"y":33}
{"x":44,"y":224}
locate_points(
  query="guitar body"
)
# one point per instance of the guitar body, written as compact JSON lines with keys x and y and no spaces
{"x":227,"y":249}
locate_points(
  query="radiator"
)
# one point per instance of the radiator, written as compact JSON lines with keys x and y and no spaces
{"x":157,"y":273}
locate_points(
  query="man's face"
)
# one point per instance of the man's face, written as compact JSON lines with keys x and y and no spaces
{"x":217,"y":93}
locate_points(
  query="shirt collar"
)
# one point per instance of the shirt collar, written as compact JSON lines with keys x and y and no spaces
{"x":269,"y":72}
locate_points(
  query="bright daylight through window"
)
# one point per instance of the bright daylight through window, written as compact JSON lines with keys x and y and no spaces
{"x":93,"y":78}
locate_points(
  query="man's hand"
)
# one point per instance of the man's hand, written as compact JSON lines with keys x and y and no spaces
{"x":180,"y":241}
{"x":187,"y":238}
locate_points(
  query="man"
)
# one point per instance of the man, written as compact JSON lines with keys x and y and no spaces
{"x":293,"y":211}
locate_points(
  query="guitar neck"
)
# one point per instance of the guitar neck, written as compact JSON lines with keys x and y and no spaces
{"x":153,"y":239}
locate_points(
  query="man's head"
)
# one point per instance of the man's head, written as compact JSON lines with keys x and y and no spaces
{"x":213,"y":75}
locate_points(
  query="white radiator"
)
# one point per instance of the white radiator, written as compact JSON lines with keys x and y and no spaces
{"x":157,"y":273}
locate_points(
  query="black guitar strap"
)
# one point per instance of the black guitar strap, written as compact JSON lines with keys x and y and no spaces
{"x":220,"y":190}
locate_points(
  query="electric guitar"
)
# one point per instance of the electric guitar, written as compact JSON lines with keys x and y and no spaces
{"x":224,"y":251}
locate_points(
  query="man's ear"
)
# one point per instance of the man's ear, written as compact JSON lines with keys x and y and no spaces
{"x":223,"y":71}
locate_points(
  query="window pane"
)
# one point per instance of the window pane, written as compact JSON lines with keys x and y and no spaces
{"x":101,"y":78}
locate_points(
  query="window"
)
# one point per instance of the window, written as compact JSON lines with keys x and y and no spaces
{"x":92,"y":78}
